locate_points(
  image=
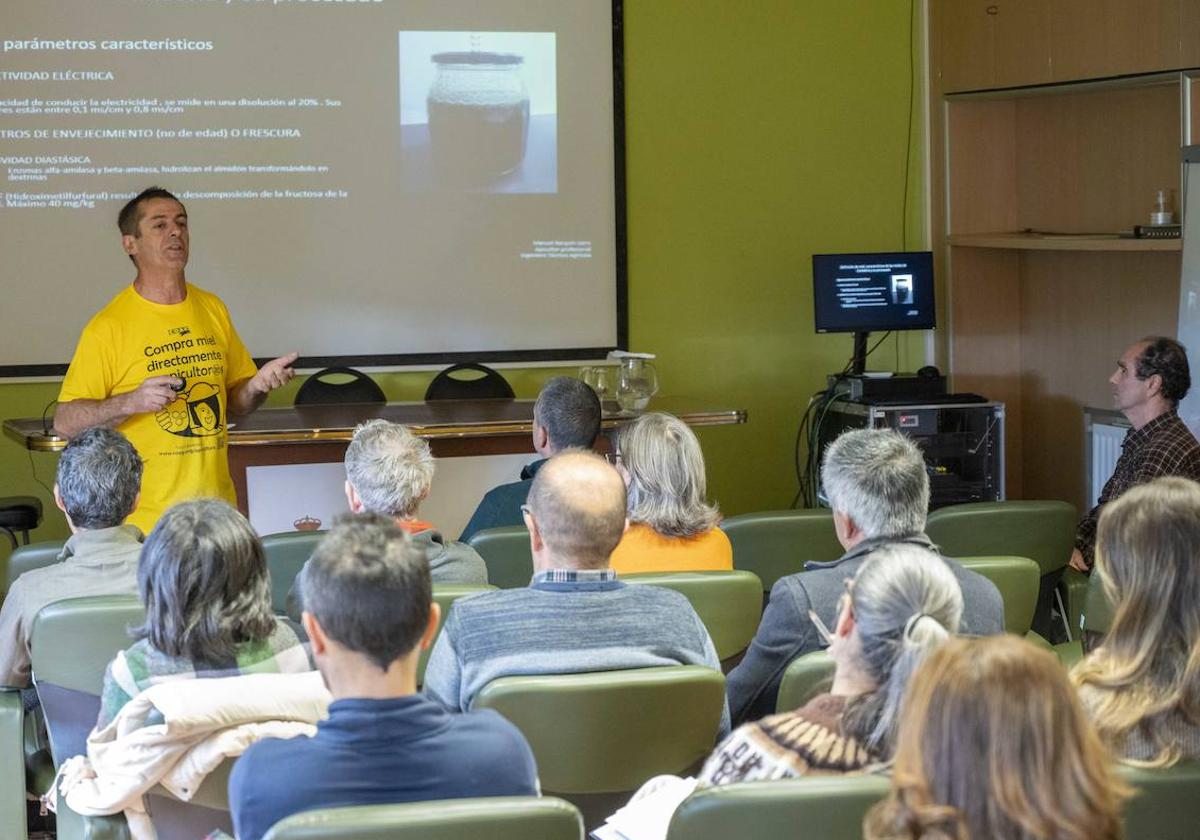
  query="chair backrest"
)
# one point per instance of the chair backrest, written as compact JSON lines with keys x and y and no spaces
{"x":497,"y":818}
{"x":1018,"y":579}
{"x":505,"y":552}
{"x":776,"y":543}
{"x":286,"y":555}
{"x":444,"y":595}
{"x":324,"y":387}
{"x":1098,"y":611}
{"x":611,"y":731}
{"x":33,"y":556}
{"x":828,"y":807}
{"x":71,"y":644}
{"x":1165,"y":805}
{"x":1043,"y":531}
{"x":729,"y":603}
{"x":803,"y":679}
{"x":490,"y":386}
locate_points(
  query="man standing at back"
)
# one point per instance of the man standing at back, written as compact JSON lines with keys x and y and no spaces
{"x":565,"y":416}
{"x":879,"y":490}
{"x":369,"y":613}
{"x":575,"y":616}
{"x":163,"y":364}
{"x":99,"y":475}
{"x":1152,"y":376}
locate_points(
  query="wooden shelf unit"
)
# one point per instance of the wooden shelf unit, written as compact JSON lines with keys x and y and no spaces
{"x":1066,"y":242}
{"x":1038,"y":321}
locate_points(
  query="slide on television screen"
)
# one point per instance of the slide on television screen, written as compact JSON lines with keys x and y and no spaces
{"x":873,"y":292}
{"x":384,"y":181}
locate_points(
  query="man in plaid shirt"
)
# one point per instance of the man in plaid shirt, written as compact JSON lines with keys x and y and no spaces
{"x":1151,"y":378}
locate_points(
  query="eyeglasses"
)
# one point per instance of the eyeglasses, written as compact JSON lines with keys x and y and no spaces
{"x":614,"y":458}
{"x":526,"y":511}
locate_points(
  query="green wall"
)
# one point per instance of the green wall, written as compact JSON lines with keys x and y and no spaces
{"x":756,"y":134}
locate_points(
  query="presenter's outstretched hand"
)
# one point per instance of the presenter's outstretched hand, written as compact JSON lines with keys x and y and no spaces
{"x":274,"y":374}
{"x":153,"y":395}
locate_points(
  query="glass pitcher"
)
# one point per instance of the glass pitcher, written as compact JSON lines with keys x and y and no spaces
{"x":637,"y":382}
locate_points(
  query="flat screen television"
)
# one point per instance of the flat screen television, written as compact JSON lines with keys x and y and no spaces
{"x":865,"y":293}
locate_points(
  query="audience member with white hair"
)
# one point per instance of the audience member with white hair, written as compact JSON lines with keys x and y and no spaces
{"x":389,"y":470}
{"x":672,"y":527}
{"x":878,"y":487}
{"x":900,"y":606}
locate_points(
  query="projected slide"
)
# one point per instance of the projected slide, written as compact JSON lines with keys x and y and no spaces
{"x":390,"y":180}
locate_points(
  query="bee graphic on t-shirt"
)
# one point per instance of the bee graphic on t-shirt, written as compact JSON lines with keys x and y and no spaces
{"x":196,"y":413}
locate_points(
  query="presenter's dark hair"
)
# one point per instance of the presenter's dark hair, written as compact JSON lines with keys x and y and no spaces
{"x":203,"y":579}
{"x":1167,"y":358}
{"x":368,"y":586}
{"x":569,"y":410}
{"x":131,"y":214}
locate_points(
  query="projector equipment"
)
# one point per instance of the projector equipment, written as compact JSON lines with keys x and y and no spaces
{"x":963,"y":443}
{"x":897,"y":386}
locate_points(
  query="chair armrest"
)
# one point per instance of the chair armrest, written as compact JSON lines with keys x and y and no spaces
{"x":12,"y":763}
{"x":72,"y":826}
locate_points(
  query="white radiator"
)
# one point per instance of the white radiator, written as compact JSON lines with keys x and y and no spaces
{"x":1104,"y":448}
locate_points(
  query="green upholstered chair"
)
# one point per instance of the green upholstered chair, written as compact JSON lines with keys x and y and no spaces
{"x":825,"y":807}
{"x":506,"y":553}
{"x":610,"y":731}
{"x":72,"y":643}
{"x":1166,"y":803}
{"x":776,"y":543}
{"x":32,"y":556}
{"x":1043,"y":531}
{"x":286,"y":555}
{"x":805,"y":678}
{"x":444,"y":595}
{"x":1018,"y":579}
{"x":729,"y":603}
{"x":497,"y":818}
{"x":1095,"y":619}
{"x":12,"y":764}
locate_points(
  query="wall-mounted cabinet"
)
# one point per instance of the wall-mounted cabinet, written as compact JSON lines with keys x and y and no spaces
{"x":987,"y":44}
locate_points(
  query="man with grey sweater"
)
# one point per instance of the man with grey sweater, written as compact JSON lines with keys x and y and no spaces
{"x":876,"y":483}
{"x":97,"y":485}
{"x":575,"y":616}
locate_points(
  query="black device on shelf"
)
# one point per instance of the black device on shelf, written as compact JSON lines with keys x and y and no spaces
{"x":872,"y":292}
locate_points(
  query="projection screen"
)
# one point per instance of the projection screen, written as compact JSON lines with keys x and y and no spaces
{"x":369,"y":182}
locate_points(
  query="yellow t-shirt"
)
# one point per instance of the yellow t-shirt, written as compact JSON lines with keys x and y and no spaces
{"x":643,"y":549}
{"x":184,"y":445}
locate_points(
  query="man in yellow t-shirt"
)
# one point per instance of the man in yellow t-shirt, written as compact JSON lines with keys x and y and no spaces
{"x":163,"y":364}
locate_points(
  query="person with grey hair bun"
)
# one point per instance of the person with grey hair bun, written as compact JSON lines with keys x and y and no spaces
{"x":203,"y":580}
{"x":900,"y":606}
{"x":878,"y":487}
{"x":672,"y":527}
{"x":389,"y":470}
{"x":97,"y":486}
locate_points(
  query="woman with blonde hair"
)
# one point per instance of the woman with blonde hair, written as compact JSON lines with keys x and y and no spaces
{"x":672,"y":527}
{"x":993,"y":744}
{"x":1142,"y":685}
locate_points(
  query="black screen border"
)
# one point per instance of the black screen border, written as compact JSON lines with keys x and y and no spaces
{"x":873,"y":255}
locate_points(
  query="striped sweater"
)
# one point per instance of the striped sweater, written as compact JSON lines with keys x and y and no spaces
{"x":563,"y":623}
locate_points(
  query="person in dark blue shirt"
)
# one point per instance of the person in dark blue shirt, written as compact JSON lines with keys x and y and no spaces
{"x":565,"y":416}
{"x":368,"y":613}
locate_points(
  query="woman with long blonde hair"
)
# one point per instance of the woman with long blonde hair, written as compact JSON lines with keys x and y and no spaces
{"x":1142,"y":685}
{"x":993,"y":745}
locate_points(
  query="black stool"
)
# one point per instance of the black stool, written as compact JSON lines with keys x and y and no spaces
{"x":19,"y":513}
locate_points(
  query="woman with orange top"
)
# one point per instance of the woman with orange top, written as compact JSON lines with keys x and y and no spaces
{"x":672,"y":527}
